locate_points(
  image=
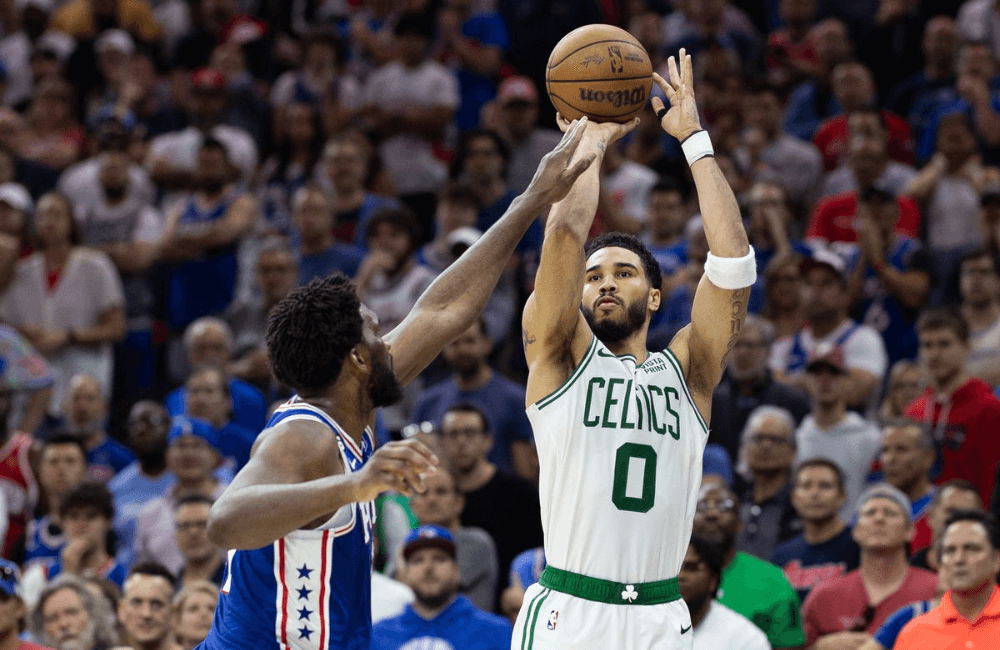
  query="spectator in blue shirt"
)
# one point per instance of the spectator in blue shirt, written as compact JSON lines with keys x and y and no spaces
{"x":62,"y":465}
{"x":209,"y":341}
{"x":208,"y":399}
{"x":87,"y":512}
{"x":500,"y":399}
{"x":320,"y":254}
{"x":145,"y":479}
{"x":86,"y":411}
{"x":439,"y":617}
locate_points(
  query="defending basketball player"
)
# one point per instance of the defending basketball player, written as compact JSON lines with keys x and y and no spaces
{"x":620,"y":431}
{"x":300,"y":512}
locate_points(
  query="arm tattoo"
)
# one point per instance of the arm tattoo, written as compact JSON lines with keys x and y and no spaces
{"x":601,"y":146}
{"x":527,"y":339}
{"x":735,"y":323}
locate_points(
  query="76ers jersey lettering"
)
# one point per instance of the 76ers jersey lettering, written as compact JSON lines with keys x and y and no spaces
{"x":309,"y":590}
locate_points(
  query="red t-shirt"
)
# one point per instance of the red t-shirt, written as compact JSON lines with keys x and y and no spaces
{"x":835,"y":218}
{"x":831,"y":139}
{"x":969,"y":441}
{"x":28,"y":645}
{"x":780,"y":41}
{"x":840,"y":605}
{"x":19,"y":487}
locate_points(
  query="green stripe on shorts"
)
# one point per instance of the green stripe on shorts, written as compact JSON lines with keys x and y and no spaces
{"x":527,"y":619}
{"x":534,"y":619}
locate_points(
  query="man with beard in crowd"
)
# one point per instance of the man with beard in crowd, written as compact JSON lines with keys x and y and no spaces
{"x":69,"y":616}
{"x":313,"y":474}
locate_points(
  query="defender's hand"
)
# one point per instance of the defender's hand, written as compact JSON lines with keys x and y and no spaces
{"x":682,"y":119}
{"x":555,"y":175}
{"x":398,"y":466}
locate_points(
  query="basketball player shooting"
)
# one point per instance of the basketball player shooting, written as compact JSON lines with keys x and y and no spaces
{"x":300,"y":512}
{"x":620,"y":431}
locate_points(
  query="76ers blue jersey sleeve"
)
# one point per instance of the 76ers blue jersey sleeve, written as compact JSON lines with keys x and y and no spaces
{"x":309,"y":590}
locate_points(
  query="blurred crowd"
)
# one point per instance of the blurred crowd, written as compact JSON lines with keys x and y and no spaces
{"x":171,"y":169}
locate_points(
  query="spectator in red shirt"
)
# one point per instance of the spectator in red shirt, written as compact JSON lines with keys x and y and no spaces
{"x":842,"y":613}
{"x":963,"y":411}
{"x":854,"y":89}
{"x":835,"y":218}
{"x":791,"y":51}
{"x":865,"y":155}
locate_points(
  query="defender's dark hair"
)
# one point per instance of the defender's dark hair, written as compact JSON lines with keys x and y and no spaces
{"x":311,"y":331}
{"x":629,"y":242}
{"x":713,"y":557}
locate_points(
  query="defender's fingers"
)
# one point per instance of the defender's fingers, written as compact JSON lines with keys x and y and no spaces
{"x":673,"y":73}
{"x":580,"y":166}
{"x":573,"y":137}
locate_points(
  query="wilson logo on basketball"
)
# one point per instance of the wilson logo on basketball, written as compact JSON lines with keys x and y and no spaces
{"x":616,"y":98}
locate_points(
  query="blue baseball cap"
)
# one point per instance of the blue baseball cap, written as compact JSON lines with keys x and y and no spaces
{"x":10,"y":578}
{"x":182,"y":425}
{"x":427,"y":536}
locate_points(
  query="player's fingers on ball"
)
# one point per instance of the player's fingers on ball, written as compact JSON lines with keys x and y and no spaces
{"x":562,"y":122}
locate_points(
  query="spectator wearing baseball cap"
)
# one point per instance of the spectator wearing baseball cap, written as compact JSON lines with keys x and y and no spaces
{"x":825,"y":307}
{"x":830,"y":430}
{"x":516,"y":119}
{"x":12,"y":604}
{"x":438,"y":616}
{"x":192,"y":457}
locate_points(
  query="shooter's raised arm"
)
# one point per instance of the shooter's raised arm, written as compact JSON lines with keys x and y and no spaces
{"x":721,"y":299}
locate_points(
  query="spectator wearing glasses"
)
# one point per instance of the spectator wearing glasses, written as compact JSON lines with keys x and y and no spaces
{"x":970,"y":610}
{"x":715,"y":625}
{"x":851,"y":608}
{"x":825,"y":550}
{"x":748,"y":385}
{"x":766,"y":457}
{"x":750,"y":586}
{"x":203,"y":560}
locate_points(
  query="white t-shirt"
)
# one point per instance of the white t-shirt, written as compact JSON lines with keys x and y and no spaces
{"x":629,"y":186}
{"x":863,"y":349}
{"x":852,"y":444}
{"x":181,"y":148}
{"x":347,"y":87}
{"x":722,"y":628}
{"x":409,"y":157}
{"x":952,"y":215}
{"x":389,"y":597}
{"x":82,"y":182}
{"x":89,"y":287}
{"x":893,"y":179}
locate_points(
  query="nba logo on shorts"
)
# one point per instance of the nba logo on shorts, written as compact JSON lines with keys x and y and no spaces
{"x":553,"y":618}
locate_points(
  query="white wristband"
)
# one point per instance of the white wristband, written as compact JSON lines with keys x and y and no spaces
{"x":732,"y":273}
{"x":697,"y":146}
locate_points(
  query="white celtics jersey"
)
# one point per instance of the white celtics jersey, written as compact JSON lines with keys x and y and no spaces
{"x":619,"y":450}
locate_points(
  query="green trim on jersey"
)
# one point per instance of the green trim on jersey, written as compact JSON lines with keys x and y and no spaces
{"x":611,"y":593}
{"x":557,"y":393}
{"x":675,"y":362}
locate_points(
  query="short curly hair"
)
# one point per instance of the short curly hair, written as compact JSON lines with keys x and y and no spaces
{"x":629,"y":242}
{"x":311,"y":331}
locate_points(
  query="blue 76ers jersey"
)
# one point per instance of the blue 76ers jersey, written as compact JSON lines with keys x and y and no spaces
{"x":309,"y":590}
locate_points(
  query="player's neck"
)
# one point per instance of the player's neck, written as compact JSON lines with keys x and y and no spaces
{"x":972,"y":602}
{"x":634,"y":345}
{"x":353,"y":415}
{"x":822,"y":530}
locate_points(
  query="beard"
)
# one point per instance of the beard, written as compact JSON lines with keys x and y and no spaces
{"x":383,"y":387}
{"x":609,"y":330}
{"x":433,"y":600}
{"x":83,"y":641}
{"x":212,"y":185}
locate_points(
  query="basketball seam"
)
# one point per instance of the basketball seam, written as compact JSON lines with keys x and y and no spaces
{"x":613,"y":40}
{"x":580,"y":81}
{"x":592,"y":113}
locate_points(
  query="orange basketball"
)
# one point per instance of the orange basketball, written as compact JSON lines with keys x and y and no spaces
{"x":600,"y":71}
